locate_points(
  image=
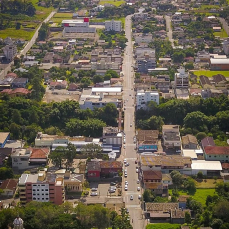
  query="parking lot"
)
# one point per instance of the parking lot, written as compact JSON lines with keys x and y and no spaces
{"x":60,"y":95}
{"x":102,"y":189}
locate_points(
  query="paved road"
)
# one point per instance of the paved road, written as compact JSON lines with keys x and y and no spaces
{"x":26,"y":48}
{"x":129,"y":128}
{"x":169,"y":29}
{"x":224,"y":24}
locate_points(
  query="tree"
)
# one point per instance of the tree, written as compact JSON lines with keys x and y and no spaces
{"x":200,"y":136}
{"x":57,"y":156}
{"x":70,"y":154}
{"x":177,"y":178}
{"x":97,"y":79}
{"x":100,"y":217}
{"x":221,"y":210}
{"x":224,"y":226}
{"x":190,"y":185}
{"x":148,"y":196}
{"x":18,"y":25}
{"x":155,"y":123}
{"x":6,"y":173}
{"x":216,"y":223}
{"x":85,"y":82}
{"x":200,"y":175}
{"x":187,"y":218}
{"x":91,"y":149}
{"x":43,"y":32}
{"x":194,"y":205}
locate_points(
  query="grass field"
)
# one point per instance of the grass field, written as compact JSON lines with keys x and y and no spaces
{"x":58,"y":17}
{"x":13,"y":33}
{"x":113,"y":2}
{"x":209,"y":73}
{"x":221,"y":34}
{"x":163,"y":226}
{"x":210,"y":183}
{"x":200,"y":194}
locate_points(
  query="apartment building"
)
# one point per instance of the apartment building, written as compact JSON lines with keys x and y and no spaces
{"x":143,"y":97}
{"x":113,"y":26}
{"x":41,"y":187}
{"x":181,"y":78}
{"x":10,"y":51}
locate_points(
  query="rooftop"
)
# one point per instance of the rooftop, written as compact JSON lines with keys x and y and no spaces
{"x":206,"y":165}
{"x":190,"y":153}
{"x":219,"y":61}
{"x":106,"y":89}
{"x":40,"y":153}
{"x":10,"y":184}
{"x":110,"y":164}
{"x":93,"y":166}
{"x":144,"y":135}
{"x":162,"y":207}
{"x":152,"y":175}
{"x":187,"y":139}
{"x":217,"y":150}
{"x":3,"y":136}
{"x":208,"y":141}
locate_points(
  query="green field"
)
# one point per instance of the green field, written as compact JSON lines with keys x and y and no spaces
{"x":210,"y":183}
{"x":113,"y":2}
{"x":163,"y":226}
{"x":13,"y":33}
{"x":221,"y":34}
{"x":209,"y":73}
{"x":59,"y":17}
{"x":200,"y":194}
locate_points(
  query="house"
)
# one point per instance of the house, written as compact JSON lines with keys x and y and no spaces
{"x":178,"y":215}
{"x":4,"y":154}
{"x":147,"y":140}
{"x":159,"y":189}
{"x":10,"y":51}
{"x":216,"y":153}
{"x":219,"y":80}
{"x":181,"y":93}
{"x":167,"y":179}
{"x":73,"y":87}
{"x":16,"y":92}
{"x":19,"y":82}
{"x":93,"y":170}
{"x":205,"y":82}
{"x":4,"y":136}
{"x":57,"y":58}
{"x":48,"y":58}
{"x":39,"y":156}
{"x":110,"y":168}
{"x":182,"y":199}
{"x":20,"y":159}
{"x":152,"y":176}
{"x":163,"y":83}
{"x":189,"y":142}
{"x":171,"y":136}
{"x":9,"y":187}
{"x":28,"y":64}
{"x":208,"y":141}
{"x":59,"y":84}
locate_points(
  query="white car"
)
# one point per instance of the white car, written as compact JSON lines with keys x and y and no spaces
{"x":124,"y":161}
{"x":126,"y":189}
{"x":131,"y":197}
{"x":125,"y":175}
{"x":127,"y":164}
{"x":94,"y":189}
{"x":138,"y":188}
{"x":139,"y":197}
{"x":94,"y":194}
{"x":124,"y":147}
{"x":126,"y":182}
{"x":126,"y":186}
{"x":136,"y":170}
{"x":138,"y":181}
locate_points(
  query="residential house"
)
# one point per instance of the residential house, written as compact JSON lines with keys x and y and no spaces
{"x":28,"y":64}
{"x":189,"y":142}
{"x":57,"y":58}
{"x":216,"y":153}
{"x":219,"y":80}
{"x":16,"y":92}
{"x":171,"y":137}
{"x":41,"y":187}
{"x":178,"y":215}
{"x":9,"y":187}
{"x":142,"y":38}
{"x":181,"y":93}
{"x":147,"y":140}
{"x":20,"y":159}
{"x":110,"y":168}
{"x":208,"y":141}
{"x":205,"y":82}
{"x":93,"y":170}
{"x":59,"y":84}
{"x":4,"y":154}
{"x":4,"y":136}
{"x":19,"y":82}
{"x":39,"y":156}
{"x":159,"y":189}
{"x":151,"y":176}
{"x":73,"y":87}
{"x":182,"y":200}
{"x":48,"y":58}
{"x":167,"y":179}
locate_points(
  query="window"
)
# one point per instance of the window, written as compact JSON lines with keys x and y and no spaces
{"x":46,"y":190}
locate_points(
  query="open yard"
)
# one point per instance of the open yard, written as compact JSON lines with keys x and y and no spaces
{"x":200,"y":194}
{"x":221,"y":34}
{"x":59,"y":17}
{"x":209,"y":73}
{"x":210,"y":183}
{"x":163,"y":226}
{"x":113,"y":2}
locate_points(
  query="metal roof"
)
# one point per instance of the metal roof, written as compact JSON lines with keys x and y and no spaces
{"x":206,"y":165}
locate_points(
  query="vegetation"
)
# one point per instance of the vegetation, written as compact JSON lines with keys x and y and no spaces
{"x":209,"y":73}
{"x":43,"y":32}
{"x":112,"y":2}
{"x":47,"y":215}
{"x":163,"y":226}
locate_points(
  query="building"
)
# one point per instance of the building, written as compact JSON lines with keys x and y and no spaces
{"x":74,"y":27}
{"x":20,"y":159}
{"x":93,"y":170}
{"x":100,"y":96}
{"x":208,"y":141}
{"x":113,"y":26}
{"x":190,"y":153}
{"x":219,"y":64}
{"x":112,"y":136}
{"x":189,"y":142}
{"x":19,"y":83}
{"x":216,"y":153}
{"x":41,"y":187}
{"x":165,"y":163}
{"x":171,"y":137}
{"x":110,"y":168}
{"x":147,"y":140}
{"x":151,"y":176}
{"x":181,"y":78}
{"x":9,"y":187}
{"x":4,"y":136}
{"x":39,"y":156}
{"x":142,"y":38}
{"x":226,"y":46}
{"x":143,"y":97}
{"x":10,"y":51}
{"x":209,"y":168}
{"x":163,"y":83}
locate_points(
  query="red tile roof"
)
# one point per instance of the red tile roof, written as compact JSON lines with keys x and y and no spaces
{"x":11,"y":74}
{"x":152,"y":175}
{"x":225,"y":165}
{"x":10,"y":184}
{"x":41,"y":153}
{"x":110,"y":164}
{"x":16,"y":90}
{"x":208,"y":141}
{"x":219,"y":150}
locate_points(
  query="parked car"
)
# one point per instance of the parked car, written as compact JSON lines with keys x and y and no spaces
{"x":138,"y":181}
{"x":126,"y":188}
{"x":138,"y":188}
{"x":136,"y":170}
{"x":139,"y":197}
{"x":131,"y":197}
{"x":111,"y":191}
{"x":94,"y":194}
{"x":94,"y":189}
{"x":113,"y":184}
{"x":126,"y":182}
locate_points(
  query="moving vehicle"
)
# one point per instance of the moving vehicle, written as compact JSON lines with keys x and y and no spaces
{"x":138,"y":189}
{"x":131,"y":197}
{"x":139,"y":197}
{"x":138,"y":181}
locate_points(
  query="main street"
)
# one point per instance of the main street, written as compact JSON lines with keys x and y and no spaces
{"x":128,"y":151}
{"x":27,"y":46}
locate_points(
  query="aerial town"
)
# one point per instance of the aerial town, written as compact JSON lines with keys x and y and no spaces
{"x":114,"y":114}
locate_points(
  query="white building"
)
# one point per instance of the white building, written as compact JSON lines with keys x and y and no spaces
{"x":20,"y":158}
{"x":181,"y":78}
{"x":113,"y":26}
{"x":143,"y":97}
{"x":10,"y":51}
{"x":226,"y":46}
{"x":210,"y":168}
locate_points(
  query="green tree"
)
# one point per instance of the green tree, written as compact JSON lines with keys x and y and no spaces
{"x":85,"y":82}
{"x":43,"y":32}
{"x":200,"y":136}
{"x":148,"y":196}
{"x":155,"y":123}
{"x":200,"y":175}
{"x":216,"y":223}
{"x":57,"y":156}
{"x":97,"y":79}
{"x":70,"y":154}
{"x":221,"y":210}
{"x":91,"y":149}
{"x":6,"y":173}
{"x":177,"y":178}
{"x":190,"y":185}
{"x":187,"y":218}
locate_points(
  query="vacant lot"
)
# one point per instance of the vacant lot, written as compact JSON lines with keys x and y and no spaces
{"x":221,"y":34}
{"x":209,"y":73}
{"x":113,"y":2}
{"x":208,"y":183}
{"x":60,"y":95}
{"x":59,"y":17}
